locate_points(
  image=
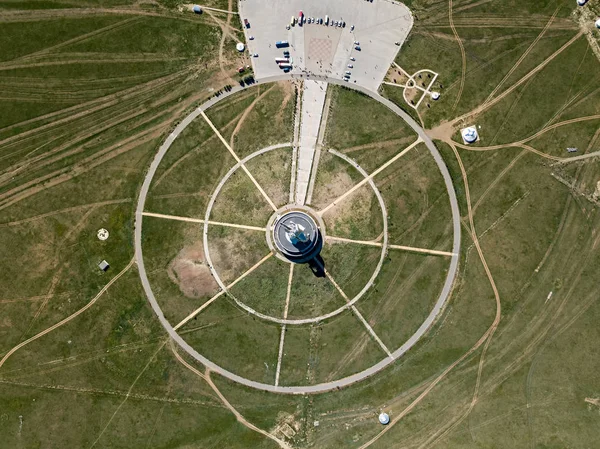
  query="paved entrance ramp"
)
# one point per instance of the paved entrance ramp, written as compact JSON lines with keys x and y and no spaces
{"x":313,"y":99}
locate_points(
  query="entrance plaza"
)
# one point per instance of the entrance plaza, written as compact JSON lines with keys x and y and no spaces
{"x":380,"y":28}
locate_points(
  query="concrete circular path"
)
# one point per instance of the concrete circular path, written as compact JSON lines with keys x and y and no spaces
{"x":326,"y":386}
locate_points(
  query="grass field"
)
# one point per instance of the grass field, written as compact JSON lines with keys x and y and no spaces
{"x":89,"y":90}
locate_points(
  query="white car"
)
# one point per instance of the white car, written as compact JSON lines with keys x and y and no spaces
{"x":352,"y":28}
{"x":350,"y":66}
{"x":251,"y":38}
{"x":255,"y":55}
{"x":356,"y":43}
{"x":352,"y":58}
{"x":348,"y":73}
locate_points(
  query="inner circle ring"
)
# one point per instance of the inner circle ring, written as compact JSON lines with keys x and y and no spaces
{"x":286,"y":321}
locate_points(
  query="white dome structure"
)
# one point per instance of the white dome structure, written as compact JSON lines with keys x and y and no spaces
{"x":240,"y":47}
{"x":581,"y":2}
{"x":435,"y":95}
{"x":102,"y":234}
{"x":469,"y":135}
{"x":384,"y":418}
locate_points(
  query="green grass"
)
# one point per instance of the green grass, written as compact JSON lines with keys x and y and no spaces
{"x":252,"y":343}
{"x":336,"y":348}
{"x":178,"y":39}
{"x":403,"y":296}
{"x":312,"y":296}
{"x":334,"y":177}
{"x":265,"y":289}
{"x":84,"y":130}
{"x":163,"y":243}
{"x":374,"y":156}
{"x":351,"y":265}
{"x":269,"y":122}
{"x":273,"y":171}
{"x":234,"y":251}
{"x":346,"y":127}
{"x":417,"y":201}
{"x":358,"y":216}
{"x":240,"y":202}
{"x":20,"y":39}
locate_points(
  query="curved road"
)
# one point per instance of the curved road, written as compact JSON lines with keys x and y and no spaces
{"x":327,"y":386}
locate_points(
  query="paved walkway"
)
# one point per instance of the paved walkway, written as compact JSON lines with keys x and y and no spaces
{"x":313,"y":99}
{"x":326,"y":386}
{"x":433,"y":252}
{"x":283,"y":327}
{"x":199,"y":220}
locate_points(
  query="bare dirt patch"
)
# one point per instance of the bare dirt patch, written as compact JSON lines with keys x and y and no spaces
{"x":191,"y":273}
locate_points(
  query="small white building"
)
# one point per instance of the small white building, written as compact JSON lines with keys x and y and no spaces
{"x":104,"y":266}
{"x":435,"y":95}
{"x":384,"y":418}
{"x":598,"y":24}
{"x":469,"y":135}
{"x":581,"y":2}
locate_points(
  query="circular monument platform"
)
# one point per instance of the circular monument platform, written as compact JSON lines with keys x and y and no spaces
{"x":341,"y":269}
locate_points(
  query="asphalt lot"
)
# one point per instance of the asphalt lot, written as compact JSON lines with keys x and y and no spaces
{"x":326,"y":50}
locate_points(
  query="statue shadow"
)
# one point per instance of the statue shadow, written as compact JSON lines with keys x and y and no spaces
{"x":317,"y":266}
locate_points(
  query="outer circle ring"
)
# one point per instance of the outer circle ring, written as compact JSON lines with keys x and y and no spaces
{"x":327,"y":386}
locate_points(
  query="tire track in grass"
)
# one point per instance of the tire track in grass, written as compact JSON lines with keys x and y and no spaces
{"x":70,"y":317}
{"x":58,"y":177}
{"x":247,"y":112}
{"x":523,"y":56}
{"x":87,"y":107}
{"x":97,"y":105}
{"x":206,"y":377}
{"x":57,"y":276}
{"x":74,"y":40}
{"x":463,"y":56}
{"x":63,"y":211}
{"x":485,"y":339}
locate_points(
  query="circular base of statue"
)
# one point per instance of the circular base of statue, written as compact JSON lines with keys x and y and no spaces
{"x":296,"y":236}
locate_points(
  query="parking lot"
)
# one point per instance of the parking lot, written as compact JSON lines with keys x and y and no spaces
{"x":379,"y":27}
